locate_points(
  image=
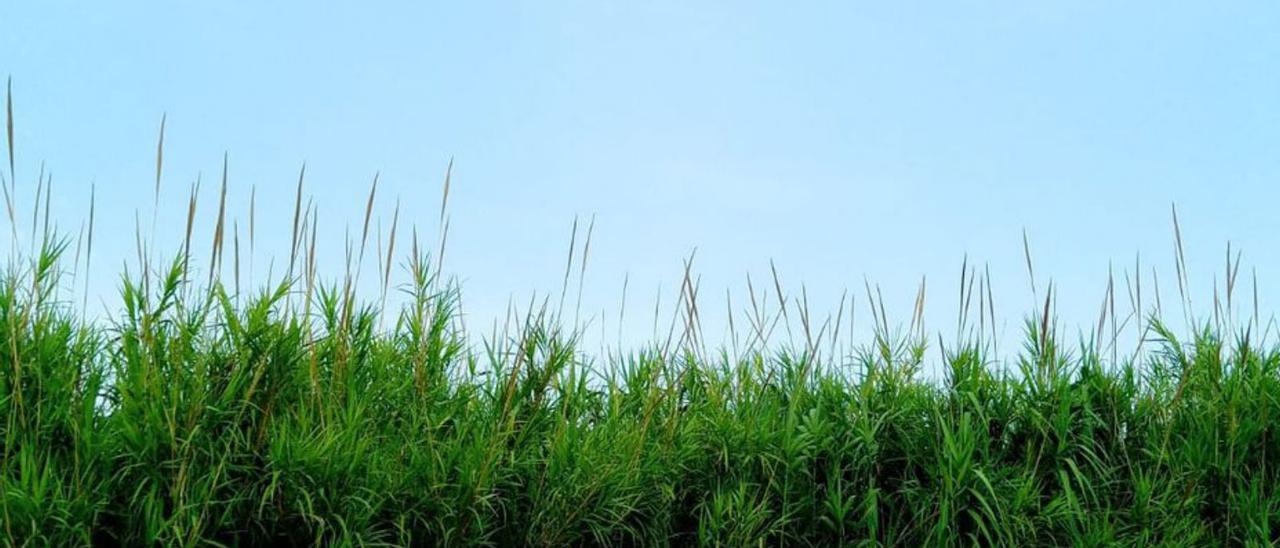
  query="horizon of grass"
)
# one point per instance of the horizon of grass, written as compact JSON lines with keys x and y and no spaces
{"x":300,"y":411}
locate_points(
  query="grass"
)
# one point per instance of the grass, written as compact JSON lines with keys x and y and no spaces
{"x":300,"y":412}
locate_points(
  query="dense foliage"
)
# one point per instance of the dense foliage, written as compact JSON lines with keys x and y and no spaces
{"x":298,"y":415}
{"x":307,"y":413}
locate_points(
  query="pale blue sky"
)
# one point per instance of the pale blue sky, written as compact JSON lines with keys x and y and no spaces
{"x":839,"y":139}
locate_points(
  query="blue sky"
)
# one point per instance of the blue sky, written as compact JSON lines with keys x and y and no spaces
{"x":841,"y":140}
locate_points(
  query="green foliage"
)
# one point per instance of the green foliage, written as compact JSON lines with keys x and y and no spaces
{"x":198,"y":417}
{"x":202,"y":416}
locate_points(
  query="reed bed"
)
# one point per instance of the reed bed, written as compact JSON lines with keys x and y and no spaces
{"x":301,"y":411}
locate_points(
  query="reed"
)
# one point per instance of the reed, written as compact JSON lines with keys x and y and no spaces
{"x":297,"y":411}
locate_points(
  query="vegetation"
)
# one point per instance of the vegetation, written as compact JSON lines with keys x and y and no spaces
{"x":300,"y":413}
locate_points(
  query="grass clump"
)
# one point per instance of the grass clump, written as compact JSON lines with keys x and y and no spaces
{"x":200,"y":414}
{"x":289,"y":416}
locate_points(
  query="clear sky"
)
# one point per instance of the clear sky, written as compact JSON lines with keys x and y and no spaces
{"x":841,"y":139}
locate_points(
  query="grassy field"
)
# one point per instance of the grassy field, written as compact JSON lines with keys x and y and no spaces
{"x":303,"y":411}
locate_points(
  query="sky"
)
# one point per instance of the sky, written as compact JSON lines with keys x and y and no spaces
{"x":846,"y":142}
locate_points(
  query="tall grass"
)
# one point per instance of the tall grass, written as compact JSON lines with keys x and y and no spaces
{"x":300,"y":412}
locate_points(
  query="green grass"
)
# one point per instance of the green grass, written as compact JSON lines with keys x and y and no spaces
{"x":302,"y":413}
{"x":197,"y":416}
